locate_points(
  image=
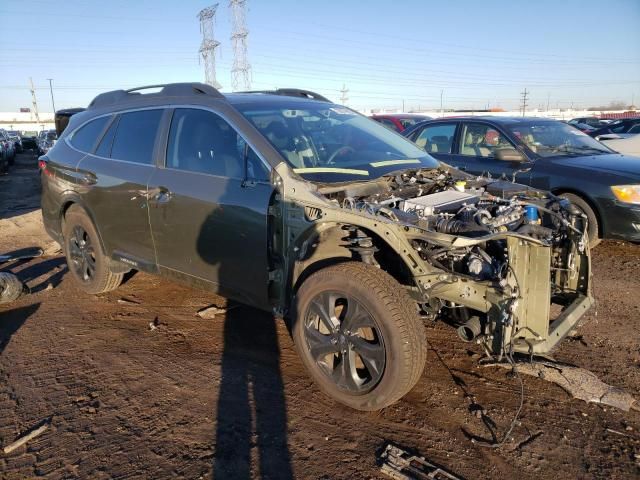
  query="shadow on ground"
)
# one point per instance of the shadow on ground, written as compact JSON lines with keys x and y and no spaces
{"x":251,"y":412}
{"x":12,"y":320}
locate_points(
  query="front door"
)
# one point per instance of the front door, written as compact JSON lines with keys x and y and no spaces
{"x":208,"y":207}
{"x":477,"y":145}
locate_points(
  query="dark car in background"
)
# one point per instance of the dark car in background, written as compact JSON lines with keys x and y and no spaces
{"x":593,"y":122}
{"x":400,"y":121}
{"x":8,"y":146}
{"x":545,"y":154}
{"x":619,"y":126}
{"x":17,"y":140}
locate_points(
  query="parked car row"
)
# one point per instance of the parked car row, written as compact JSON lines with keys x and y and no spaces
{"x":7,"y":151}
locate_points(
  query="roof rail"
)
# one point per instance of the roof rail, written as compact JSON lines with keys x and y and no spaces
{"x":167,"y":90}
{"x":292,"y":92}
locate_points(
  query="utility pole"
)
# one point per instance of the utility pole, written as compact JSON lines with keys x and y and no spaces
{"x":524,"y":104}
{"x":34,"y":102}
{"x":441,"y":109}
{"x":241,"y":70}
{"x":51,"y":90}
{"x":209,"y":44}
{"x":548,"y":99}
{"x":403,"y":105}
{"x":343,"y":96}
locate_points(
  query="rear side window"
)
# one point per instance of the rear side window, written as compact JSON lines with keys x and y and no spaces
{"x":136,"y":136}
{"x":86,"y":137}
{"x":437,"y":138}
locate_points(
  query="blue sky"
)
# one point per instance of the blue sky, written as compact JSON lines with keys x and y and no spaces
{"x":480,"y":53}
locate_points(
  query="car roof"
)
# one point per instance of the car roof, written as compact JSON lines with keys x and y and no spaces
{"x":494,"y":119}
{"x":266,"y":99}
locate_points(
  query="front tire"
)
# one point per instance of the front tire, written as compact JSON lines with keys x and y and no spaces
{"x":359,"y":335}
{"x":87,"y":263}
{"x":592,"y":219}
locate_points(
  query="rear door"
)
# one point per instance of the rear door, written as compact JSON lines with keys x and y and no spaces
{"x":208,"y":207}
{"x":116,"y":176}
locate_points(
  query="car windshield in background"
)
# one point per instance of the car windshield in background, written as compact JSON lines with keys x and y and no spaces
{"x":553,"y":139}
{"x":330,"y":143}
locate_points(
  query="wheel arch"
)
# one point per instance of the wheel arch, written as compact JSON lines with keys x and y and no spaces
{"x":589,"y":201}
{"x":72,"y":198}
{"x":331,"y":246}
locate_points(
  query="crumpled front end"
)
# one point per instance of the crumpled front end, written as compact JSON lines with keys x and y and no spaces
{"x":507,"y":265}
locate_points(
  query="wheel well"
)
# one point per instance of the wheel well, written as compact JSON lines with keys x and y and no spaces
{"x":588,"y":201}
{"x":387,"y":258}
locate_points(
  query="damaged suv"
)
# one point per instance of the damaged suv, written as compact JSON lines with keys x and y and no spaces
{"x":292,"y":204}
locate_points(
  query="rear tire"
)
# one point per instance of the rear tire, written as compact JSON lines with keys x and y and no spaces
{"x":87,"y":263}
{"x":593,"y":227}
{"x":359,"y":335}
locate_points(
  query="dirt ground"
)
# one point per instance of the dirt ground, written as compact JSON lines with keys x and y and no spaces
{"x":193,"y":398}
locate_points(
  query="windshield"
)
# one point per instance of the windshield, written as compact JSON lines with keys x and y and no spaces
{"x":330,"y":143}
{"x":552,"y":139}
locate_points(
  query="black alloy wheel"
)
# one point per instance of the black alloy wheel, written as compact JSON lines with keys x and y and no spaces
{"x":82,"y":254}
{"x":345,"y":342}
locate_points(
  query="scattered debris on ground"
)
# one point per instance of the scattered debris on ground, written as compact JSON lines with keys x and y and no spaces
{"x":154,"y":325}
{"x":401,"y":465}
{"x":211,"y":312}
{"x":26,"y":437}
{"x":128,"y":301}
{"x":579,"y":383}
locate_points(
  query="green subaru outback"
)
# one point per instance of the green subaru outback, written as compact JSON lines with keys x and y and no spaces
{"x":287,"y":202}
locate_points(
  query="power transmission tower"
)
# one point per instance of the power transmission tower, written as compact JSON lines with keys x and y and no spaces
{"x":209,"y":44}
{"x":524,"y":104}
{"x":34,"y":101}
{"x":343,"y":92}
{"x":241,"y":70}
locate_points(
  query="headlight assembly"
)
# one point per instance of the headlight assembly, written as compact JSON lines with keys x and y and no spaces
{"x":627,"y":193}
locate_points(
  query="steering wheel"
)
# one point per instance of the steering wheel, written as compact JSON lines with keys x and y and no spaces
{"x":340,"y":151}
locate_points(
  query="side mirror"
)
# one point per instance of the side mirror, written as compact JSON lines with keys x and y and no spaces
{"x":509,"y":155}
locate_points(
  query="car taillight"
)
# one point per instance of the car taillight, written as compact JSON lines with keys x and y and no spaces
{"x":42,"y":165}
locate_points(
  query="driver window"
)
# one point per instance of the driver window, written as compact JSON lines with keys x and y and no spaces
{"x":482,"y":140}
{"x":202,"y":142}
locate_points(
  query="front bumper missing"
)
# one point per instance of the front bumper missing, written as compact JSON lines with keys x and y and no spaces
{"x":557,"y":330}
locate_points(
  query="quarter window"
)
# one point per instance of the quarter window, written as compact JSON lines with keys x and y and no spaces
{"x":136,"y":136}
{"x":202,"y":142}
{"x":86,"y":137}
{"x":482,"y":140}
{"x":437,"y":138}
{"x":104,"y":148}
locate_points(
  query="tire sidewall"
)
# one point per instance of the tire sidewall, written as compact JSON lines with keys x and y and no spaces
{"x":386,"y":389}
{"x":584,"y":207}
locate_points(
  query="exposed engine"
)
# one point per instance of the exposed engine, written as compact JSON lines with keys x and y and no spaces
{"x":482,"y":210}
